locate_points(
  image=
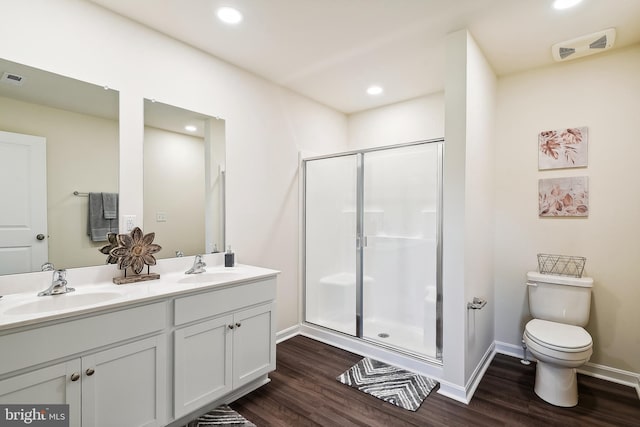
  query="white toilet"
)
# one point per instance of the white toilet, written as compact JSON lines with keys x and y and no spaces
{"x":555,"y":337}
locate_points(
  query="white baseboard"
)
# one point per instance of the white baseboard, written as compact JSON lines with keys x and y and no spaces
{"x":465,"y":394}
{"x":511,"y":350}
{"x":478,"y":373}
{"x":614,"y":375}
{"x":453,"y":391}
{"x":602,"y":372}
{"x":288,"y":333}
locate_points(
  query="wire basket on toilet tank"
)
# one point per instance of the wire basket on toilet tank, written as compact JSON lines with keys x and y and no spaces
{"x":561,"y":265}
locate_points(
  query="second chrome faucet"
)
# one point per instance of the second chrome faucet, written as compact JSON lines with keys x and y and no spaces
{"x":198,"y":266}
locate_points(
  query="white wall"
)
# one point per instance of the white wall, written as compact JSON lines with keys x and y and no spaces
{"x":413,"y":120}
{"x":174,"y":185}
{"x":603,"y":93}
{"x":467,"y":206}
{"x":479,"y":204}
{"x":266,"y":125}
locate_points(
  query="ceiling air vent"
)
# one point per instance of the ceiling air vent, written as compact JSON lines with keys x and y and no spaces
{"x":12,"y":79}
{"x":583,"y":46}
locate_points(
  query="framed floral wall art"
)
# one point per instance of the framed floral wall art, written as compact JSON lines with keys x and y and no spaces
{"x":563,"y":148}
{"x":563,"y":197}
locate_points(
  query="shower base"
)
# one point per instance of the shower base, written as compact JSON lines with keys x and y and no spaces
{"x":389,"y":333}
{"x":408,"y":338}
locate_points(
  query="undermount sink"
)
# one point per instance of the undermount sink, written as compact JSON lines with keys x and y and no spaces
{"x":61,"y":302}
{"x":211,"y":277}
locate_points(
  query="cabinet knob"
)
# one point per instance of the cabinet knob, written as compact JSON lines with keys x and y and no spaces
{"x":90,"y":372}
{"x":231,"y":326}
{"x":238,"y":324}
{"x":75,"y":376}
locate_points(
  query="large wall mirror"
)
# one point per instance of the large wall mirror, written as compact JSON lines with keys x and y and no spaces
{"x":184,"y":172}
{"x":57,"y":136}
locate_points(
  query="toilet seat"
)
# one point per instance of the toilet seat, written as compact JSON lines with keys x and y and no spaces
{"x":558,"y":336}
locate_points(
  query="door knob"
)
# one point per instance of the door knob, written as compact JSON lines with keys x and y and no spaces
{"x":40,"y":237}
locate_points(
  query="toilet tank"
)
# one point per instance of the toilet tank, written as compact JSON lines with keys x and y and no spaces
{"x":559,"y":299}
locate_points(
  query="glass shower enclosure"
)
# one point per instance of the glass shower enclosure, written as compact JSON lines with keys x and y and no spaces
{"x":372,"y":245}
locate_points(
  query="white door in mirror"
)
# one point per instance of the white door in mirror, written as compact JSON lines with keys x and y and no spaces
{"x":23,"y":191}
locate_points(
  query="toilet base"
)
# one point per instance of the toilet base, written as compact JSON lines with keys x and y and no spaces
{"x":556,"y":385}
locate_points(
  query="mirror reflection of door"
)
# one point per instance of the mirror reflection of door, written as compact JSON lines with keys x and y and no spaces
{"x":23,"y":221}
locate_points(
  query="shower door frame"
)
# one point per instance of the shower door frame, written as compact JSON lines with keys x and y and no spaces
{"x":360,"y":244}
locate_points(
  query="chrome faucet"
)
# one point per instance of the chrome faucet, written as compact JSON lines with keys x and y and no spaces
{"x":47,"y":266}
{"x":198,"y":266}
{"x":58,"y":284}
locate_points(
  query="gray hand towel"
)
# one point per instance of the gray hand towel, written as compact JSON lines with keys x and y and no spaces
{"x":110,"y":205}
{"x":97,"y":226}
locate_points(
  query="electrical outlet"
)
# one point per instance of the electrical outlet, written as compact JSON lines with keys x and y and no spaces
{"x":129,"y":222}
{"x":161,"y":217}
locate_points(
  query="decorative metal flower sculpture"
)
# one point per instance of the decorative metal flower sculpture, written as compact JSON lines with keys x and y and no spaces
{"x":113,"y":243}
{"x":135,"y":250}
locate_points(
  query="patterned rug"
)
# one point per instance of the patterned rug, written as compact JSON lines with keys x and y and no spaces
{"x":223,"y":415}
{"x":389,"y":383}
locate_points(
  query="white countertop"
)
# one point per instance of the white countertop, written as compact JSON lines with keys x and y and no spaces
{"x":26,"y":308}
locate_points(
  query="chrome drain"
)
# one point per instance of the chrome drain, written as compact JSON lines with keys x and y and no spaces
{"x":383,"y":335}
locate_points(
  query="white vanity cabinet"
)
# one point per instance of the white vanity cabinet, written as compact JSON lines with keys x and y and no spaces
{"x":122,"y":384}
{"x":171,"y":349}
{"x":227,"y":341}
{"x":49,"y":385}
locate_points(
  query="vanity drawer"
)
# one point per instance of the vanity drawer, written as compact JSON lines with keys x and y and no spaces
{"x":212,"y":303}
{"x":46,"y":343}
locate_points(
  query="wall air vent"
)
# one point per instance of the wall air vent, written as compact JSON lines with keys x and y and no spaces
{"x":12,"y":79}
{"x":585,"y":45}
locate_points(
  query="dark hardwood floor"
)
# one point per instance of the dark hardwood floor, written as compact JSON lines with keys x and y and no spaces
{"x":304,"y":392}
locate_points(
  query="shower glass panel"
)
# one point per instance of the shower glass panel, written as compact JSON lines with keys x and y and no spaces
{"x":400,"y":250}
{"x":372,"y":246}
{"x":330,"y":235}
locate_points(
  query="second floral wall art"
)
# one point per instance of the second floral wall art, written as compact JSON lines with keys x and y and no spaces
{"x":563,"y":148}
{"x":563,"y":197}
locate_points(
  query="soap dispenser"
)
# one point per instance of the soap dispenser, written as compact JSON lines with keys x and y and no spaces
{"x":229,"y":258}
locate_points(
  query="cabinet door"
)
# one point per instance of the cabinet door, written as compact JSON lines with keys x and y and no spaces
{"x":202,"y":365}
{"x":50,"y":385}
{"x":125,"y":385}
{"x":254,"y":345}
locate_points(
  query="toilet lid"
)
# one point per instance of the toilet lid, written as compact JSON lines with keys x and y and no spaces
{"x":558,"y":335}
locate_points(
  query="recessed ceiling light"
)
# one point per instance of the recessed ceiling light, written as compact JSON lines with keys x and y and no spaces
{"x":190,"y":128}
{"x":374,"y":90}
{"x":565,"y":4}
{"x":229,"y":15}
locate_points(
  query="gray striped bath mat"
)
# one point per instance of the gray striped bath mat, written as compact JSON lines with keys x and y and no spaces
{"x":389,"y":383}
{"x":223,"y":415}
